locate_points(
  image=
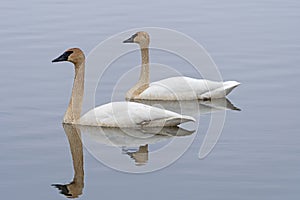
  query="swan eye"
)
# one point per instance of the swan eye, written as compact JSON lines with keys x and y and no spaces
{"x":68,"y":53}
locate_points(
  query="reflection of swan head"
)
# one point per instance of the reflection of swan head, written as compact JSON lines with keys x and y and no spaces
{"x":71,"y":190}
{"x":140,"y":156}
{"x":73,"y":55}
{"x":142,"y":38}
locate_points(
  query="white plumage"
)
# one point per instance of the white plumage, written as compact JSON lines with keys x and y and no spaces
{"x":186,"y":88}
{"x":131,"y":114}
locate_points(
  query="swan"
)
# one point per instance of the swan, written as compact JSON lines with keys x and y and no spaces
{"x":116,"y":114}
{"x":174,"y":88}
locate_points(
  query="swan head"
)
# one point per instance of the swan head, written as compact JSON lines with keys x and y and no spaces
{"x":73,"y":55}
{"x":142,"y":38}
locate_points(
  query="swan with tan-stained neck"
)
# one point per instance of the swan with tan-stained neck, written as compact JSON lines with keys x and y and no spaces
{"x":174,"y":88}
{"x":115,"y":114}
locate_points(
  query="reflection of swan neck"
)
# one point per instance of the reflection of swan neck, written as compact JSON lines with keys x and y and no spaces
{"x":75,"y":142}
{"x":74,"y":109}
{"x":77,"y":156}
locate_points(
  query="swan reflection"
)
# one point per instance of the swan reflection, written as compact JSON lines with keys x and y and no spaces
{"x":192,"y":107}
{"x":125,"y":139}
{"x":75,"y":187}
{"x":133,"y":142}
{"x":139,"y":156}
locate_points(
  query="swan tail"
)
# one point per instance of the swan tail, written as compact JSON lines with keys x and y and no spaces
{"x":219,"y":92}
{"x":230,"y":85}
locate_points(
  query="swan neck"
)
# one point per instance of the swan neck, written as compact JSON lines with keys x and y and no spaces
{"x":144,"y":80}
{"x":145,"y":76}
{"x":74,"y":109}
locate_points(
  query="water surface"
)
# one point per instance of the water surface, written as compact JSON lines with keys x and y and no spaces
{"x":254,"y":42}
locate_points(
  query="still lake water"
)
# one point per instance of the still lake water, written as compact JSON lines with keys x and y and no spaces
{"x":254,"y":42}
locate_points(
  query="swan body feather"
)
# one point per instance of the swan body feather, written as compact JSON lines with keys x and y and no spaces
{"x":186,"y":88}
{"x":131,"y":114}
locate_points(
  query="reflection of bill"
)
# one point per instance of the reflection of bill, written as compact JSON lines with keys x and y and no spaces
{"x":75,"y":187}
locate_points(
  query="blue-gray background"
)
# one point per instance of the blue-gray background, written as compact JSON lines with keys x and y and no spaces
{"x":255,"y":42}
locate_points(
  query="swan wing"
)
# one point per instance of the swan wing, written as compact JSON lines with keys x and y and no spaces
{"x":132,"y":114}
{"x":186,"y":88}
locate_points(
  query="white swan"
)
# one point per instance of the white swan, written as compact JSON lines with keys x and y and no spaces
{"x":117,"y":114}
{"x":175,"y":88}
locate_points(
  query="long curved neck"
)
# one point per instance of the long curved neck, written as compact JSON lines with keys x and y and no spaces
{"x":145,"y":76}
{"x":74,"y":109}
{"x":144,"y":80}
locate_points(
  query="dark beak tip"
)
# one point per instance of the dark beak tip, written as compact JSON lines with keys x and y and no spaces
{"x":56,"y":60}
{"x":63,"y":57}
{"x":129,"y":40}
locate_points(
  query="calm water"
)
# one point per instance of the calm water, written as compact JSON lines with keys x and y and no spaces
{"x":254,"y":42}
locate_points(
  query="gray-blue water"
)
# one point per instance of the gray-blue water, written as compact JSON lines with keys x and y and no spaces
{"x":254,"y":42}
